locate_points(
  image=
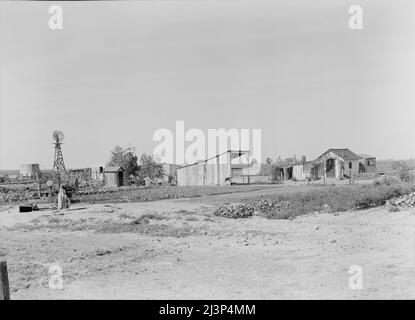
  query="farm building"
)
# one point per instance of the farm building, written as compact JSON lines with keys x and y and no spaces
{"x":293,"y":169}
{"x":115,"y":176}
{"x":337,"y":163}
{"x":30,"y":171}
{"x":334,"y":163}
{"x":242,"y":173}
{"x":218,"y":170}
{"x":82,"y":174}
{"x":97,"y":172}
{"x":367,"y":163}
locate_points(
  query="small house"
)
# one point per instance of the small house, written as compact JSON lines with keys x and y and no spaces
{"x":367,"y":163}
{"x":337,"y":163}
{"x":115,"y":176}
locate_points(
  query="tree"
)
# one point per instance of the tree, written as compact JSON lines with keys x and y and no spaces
{"x":125,"y":158}
{"x":268,"y":160}
{"x":289,"y":160}
{"x":402,"y":170}
{"x":150,"y":168}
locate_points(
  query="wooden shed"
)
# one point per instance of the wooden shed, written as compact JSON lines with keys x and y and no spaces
{"x":115,"y":176}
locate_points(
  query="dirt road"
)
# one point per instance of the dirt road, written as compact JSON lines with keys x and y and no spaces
{"x":179,"y":250}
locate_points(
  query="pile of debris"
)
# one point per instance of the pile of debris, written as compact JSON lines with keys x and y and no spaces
{"x":262,"y":207}
{"x":402,"y":202}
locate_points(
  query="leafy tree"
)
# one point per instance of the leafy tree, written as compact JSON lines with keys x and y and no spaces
{"x":150,"y":168}
{"x":268,"y":160}
{"x":402,"y":170}
{"x":125,"y":158}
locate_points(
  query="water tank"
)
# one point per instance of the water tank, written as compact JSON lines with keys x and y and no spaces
{"x":30,"y":170}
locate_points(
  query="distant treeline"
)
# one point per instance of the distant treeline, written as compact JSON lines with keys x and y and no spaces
{"x":9,"y":172}
{"x":386,"y":165}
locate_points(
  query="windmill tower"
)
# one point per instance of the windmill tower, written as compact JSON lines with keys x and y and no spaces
{"x":58,"y":163}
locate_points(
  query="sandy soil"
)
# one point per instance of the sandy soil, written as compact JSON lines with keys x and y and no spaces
{"x":204,"y":256}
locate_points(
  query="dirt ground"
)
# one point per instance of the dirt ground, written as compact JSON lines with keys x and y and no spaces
{"x":177,"y":249}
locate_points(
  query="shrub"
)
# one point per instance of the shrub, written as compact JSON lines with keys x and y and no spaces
{"x":386,"y":180}
{"x":402,"y":170}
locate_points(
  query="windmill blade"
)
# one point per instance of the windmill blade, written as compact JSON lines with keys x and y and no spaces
{"x":58,"y":135}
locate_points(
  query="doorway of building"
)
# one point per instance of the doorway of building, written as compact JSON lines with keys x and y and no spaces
{"x":120,"y":178}
{"x":289,"y":172}
{"x":330,"y":168}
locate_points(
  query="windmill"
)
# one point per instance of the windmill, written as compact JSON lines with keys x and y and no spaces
{"x":58,"y":164}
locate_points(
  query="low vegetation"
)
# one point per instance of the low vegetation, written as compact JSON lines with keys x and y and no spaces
{"x":147,"y":224}
{"x":324,"y":199}
{"x":93,"y":194}
{"x":138,"y":194}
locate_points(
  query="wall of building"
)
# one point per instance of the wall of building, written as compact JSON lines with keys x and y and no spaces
{"x":31,"y":170}
{"x":97,"y":173}
{"x":191,"y":175}
{"x":213,"y":171}
{"x":347,"y":171}
{"x":112,"y":179}
{"x":369,"y":164}
{"x":80,"y":174}
{"x":302,"y":171}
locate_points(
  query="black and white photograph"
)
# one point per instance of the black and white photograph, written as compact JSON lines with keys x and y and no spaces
{"x":207,"y":150}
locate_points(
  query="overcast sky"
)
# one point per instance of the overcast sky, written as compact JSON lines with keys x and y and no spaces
{"x":118,"y":71}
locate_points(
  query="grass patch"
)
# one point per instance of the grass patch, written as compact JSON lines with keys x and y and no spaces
{"x":140,"y":225}
{"x":126,"y":216}
{"x":192,"y":219}
{"x":155,"y":230}
{"x":182,"y":211}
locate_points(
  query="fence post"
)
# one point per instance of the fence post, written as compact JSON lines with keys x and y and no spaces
{"x":4,"y":282}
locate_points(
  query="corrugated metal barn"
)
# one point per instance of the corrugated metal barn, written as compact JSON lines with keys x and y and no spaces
{"x":214,"y":171}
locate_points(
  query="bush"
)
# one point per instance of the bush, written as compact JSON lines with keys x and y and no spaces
{"x":402,"y":170}
{"x":386,"y":181}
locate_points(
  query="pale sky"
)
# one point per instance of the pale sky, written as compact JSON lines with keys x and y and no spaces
{"x":118,"y":71}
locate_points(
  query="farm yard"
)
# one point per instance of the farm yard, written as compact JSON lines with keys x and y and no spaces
{"x":147,"y":230}
{"x":252,"y":241}
{"x":207,"y":150}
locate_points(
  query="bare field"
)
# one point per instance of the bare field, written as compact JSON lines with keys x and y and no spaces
{"x":179,"y":249}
